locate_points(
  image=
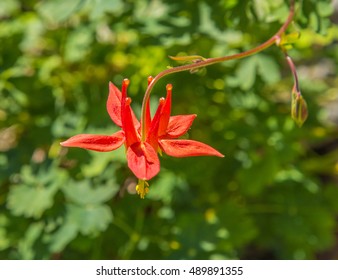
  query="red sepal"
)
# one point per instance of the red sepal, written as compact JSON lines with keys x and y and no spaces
{"x":187,"y":148}
{"x":128,"y":126}
{"x":179,"y":125}
{"x":100,"y":143}
{"x":165,"y":113}
{"x":114,"y":104}
{"x":152,"y":137}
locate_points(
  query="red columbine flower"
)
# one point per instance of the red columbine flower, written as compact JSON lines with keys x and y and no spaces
{"x":160,"y":131}
{"x":142,"y":158}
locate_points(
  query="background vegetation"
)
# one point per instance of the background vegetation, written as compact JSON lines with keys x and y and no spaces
{"x":273,"y":196}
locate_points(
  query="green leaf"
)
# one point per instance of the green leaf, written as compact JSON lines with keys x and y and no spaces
{"x":48,"y":66}
{"x":164,"y":187}
{"x":84,"y":193}
{"x":252,"y":184}
{"x":262,"y":8}
{"x":26,"y":245}
{"x":99,"y":7}
{"x":98,"y":164}
{"x":90,"y":219}
{"x":30,"y":201}
{"x":57,"y":11}
{"x":208,"y":26}
{"x":324,"y":9}
{"x":231,"y":232}
{"x":268,"y":69}
{"x":34,"y":29}
{"x":151,"y":15}
{"x":4,"y":239}
{"x":35,"y":193}
{"x":78,"y":44}
{"x":67,"y":124}
{"x":66,"y":233}
{"x":246,"y":73}
{"x":8,"y":7}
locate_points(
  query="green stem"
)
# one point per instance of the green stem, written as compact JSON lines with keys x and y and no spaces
{"x":210,"y":61}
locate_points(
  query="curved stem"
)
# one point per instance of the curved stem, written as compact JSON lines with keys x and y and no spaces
{"x":294,"y":72}
{"x":209,"y":61}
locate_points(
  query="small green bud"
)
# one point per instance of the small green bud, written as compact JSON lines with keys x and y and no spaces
{"x":299,"y":111}
{"x":187,"y":58}
{"x":287,"y":40}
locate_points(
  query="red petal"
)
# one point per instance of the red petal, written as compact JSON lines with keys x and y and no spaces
{"x":165,"y":113}
{"x":128,"y":124}
{"x":179,"y":125}
{"x":152,"y":136}
{"x":187,"y":148}
{"x":143,"y":160}
{"x":100,"y":143}
{"x":114,"y":104}
{"x":148,"y":117}
{"x":135,"y":120}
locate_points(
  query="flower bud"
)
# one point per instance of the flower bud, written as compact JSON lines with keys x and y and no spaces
{"x":299,"y":111}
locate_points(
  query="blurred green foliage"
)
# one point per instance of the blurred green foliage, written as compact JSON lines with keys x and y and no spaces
{"x":275,"y":193}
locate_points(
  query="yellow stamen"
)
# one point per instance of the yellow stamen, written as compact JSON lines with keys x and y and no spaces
{"x":142,"y":188}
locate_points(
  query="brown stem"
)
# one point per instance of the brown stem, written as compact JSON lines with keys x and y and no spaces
{"x":210,"y":61}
